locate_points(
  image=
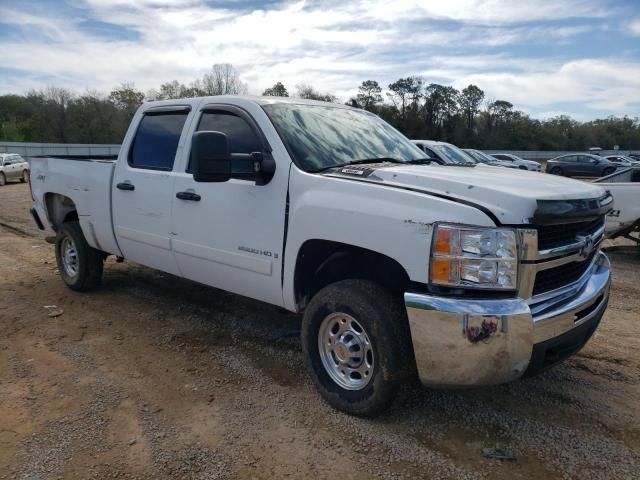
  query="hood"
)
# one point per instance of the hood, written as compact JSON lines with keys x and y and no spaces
{"x":510,"y":195}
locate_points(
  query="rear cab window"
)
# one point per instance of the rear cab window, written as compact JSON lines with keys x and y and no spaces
{"x":155,"y":144}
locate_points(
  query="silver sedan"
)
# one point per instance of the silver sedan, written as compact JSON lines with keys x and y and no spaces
{"x":13,"y":167}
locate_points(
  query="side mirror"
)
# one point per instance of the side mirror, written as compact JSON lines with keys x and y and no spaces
{"x":210,"y":157}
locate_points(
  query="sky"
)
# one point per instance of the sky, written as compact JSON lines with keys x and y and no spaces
{"x":571,"y":57}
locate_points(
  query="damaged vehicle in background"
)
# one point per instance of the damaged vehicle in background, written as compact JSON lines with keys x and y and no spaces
{"x":400,"y":267}
{"x":624,"y":219}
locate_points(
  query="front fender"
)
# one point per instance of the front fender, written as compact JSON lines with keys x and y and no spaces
{"x":394,"y":222}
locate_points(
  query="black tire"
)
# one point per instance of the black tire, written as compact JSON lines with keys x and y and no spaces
{"x":522,"y":167}
{"x":556,"y":171}
{"x":25,"y":176}
{"x":384,"y":320}
{"x":3,"y":180}
{"x":89,"y":263}
{"x":608,"y":171}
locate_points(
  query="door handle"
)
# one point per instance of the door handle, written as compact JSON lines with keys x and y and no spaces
{"x":194,"y":197}
{"x":126,"y":186}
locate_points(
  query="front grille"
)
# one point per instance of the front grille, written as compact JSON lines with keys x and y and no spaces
{"x":558,"y":277}
{"x":552,"y":236}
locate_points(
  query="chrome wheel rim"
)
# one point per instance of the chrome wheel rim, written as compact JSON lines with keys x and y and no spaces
{"x":69,"y":256}
{"x":346,"y":351}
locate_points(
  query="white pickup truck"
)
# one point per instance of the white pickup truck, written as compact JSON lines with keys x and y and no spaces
{"x":459,"y":275}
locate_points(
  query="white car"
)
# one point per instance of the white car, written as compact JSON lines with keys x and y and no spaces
{"x":13,"y":167}
{"x":399,"y":267}
{"x":624,"y":219}
{"x":517,"y":162}
{"x":623,"y":160}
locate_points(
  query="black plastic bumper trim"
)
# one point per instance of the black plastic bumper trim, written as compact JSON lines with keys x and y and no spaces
{"x":556,"y":350}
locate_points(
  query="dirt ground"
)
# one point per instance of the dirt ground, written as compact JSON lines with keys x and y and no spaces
{"x":157,"y":377}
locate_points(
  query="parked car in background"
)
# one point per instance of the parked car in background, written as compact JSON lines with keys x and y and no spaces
{"x":635,"y":156}
{"x":623,"y":160}
{"x":482,"y":157}
{"x":13,"y":167}
{"x":624,"y":219}
{"x":444,"y":153}
{"x":581,"y":165}
{"x":518,"y":162}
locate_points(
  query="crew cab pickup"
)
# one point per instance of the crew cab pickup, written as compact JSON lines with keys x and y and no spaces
{"x":456,"y":275}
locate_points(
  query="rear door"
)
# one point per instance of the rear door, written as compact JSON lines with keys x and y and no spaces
{"x":230,"y":234}
{"x":587,"y":167}
{"x":143,"y":188}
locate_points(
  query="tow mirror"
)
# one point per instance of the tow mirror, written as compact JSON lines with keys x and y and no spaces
{"x":210,"y":157}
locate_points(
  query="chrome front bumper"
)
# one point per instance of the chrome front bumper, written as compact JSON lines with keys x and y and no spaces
{"x":461,"y":342}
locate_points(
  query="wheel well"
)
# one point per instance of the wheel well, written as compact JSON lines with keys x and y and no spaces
{"x":321,"y":262}
{"x":60,"y":209}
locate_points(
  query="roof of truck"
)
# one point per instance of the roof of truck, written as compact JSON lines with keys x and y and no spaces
{"x":242,"y":98}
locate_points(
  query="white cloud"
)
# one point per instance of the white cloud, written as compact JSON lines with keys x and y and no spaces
{"x":331,"y":45}
{"x":634,"y":27}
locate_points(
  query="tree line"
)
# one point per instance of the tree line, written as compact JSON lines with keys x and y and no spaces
{"x":419,"y":109}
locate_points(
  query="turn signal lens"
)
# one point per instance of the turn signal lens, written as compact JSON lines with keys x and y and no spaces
{"x":440,"y":270}
{"x":442,"y":242}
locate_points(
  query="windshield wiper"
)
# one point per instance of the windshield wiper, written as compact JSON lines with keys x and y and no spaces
{"x":363,"y":161}
{"x":420,"y":161}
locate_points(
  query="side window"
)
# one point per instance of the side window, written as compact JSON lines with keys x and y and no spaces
{"x":430,"y":153}
{"x":242,"y":138}
{"x":240,"y":135}
{"x":156,"y":141}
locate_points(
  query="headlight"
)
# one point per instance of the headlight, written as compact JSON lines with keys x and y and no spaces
{"x":474,"y":257}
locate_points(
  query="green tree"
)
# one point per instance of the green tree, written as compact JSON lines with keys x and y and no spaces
{"x":308,"y":92}
{"x":369,"y":94}
{"x":405,"y":92}
{"x":470,"y":100}
{"x":278,"y":90}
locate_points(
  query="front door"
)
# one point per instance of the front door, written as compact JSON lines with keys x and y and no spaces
{"x":143,"y":189}
{"x":230,"y":234}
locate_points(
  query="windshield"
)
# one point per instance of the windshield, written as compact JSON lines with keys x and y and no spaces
{"x":453,"y":154}
{"x":480,"y":156}
{"x":320,"y":137}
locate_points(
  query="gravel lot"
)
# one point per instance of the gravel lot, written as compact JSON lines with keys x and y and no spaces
{"x":158,"y":377}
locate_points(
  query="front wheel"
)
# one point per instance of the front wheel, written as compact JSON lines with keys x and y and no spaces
{"x":357,"y":347}
{"x":608,"y":171}
{"x":79,"y":264}
{"x":556,"y":171}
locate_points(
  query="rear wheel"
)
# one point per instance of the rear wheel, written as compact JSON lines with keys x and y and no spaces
{"x":25,"y":176}
{"x":3,"y":180}
{"x":357,"y":347}
{"x":79,"y":264}
{"x":556,"y":171}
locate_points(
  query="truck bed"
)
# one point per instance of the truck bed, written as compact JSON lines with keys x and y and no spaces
{"x":86,"y":181}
